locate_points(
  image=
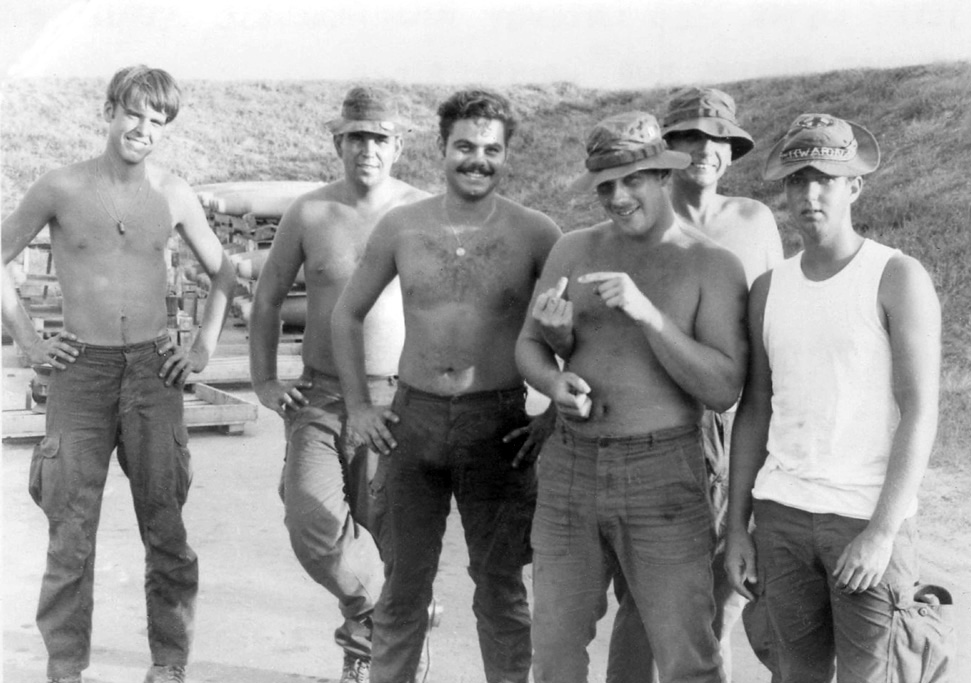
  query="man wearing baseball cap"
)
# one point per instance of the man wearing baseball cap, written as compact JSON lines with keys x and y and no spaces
{"x":325,"y":481}
{"x":701,"y":123}
{"x":647,"y":318}
{"x":836,"y":423}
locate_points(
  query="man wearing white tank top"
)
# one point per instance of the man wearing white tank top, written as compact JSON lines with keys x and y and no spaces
{"x":836,"y":424}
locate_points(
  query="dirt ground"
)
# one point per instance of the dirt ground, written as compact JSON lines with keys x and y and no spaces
{"x":259,"y":619}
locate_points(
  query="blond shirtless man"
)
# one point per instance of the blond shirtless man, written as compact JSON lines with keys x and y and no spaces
{"x":467,"y":261}
{"x":647,"y":319}
{"x":117,"y":379}
{"x":701,"y":123}
{"x":325,"y":483}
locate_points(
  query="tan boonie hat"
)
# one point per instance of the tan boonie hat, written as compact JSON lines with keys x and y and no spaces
{"x":370,"y":109}
{"x":831,"y":145}
{"x":712,"y":112}
{"x":622,"y":144}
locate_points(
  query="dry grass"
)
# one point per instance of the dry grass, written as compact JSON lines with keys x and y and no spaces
{"x":920,"y":199}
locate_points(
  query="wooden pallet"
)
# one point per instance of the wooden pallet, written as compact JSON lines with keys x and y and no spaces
{"x":235,"y":370}
{"x":205,"y":406}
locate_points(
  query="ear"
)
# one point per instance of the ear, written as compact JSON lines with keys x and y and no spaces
{"x":108,"y":111}
{"x":441,"y":145}
{"x":338,"y":141}
{"x":856,"y":187}
{"x":399,"y":144}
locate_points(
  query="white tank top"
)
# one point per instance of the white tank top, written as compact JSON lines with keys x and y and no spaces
{"x":833,"y":410}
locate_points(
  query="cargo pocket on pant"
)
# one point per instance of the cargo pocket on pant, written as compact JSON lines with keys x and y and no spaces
{"x":922,"y":640}
{"x":183,"y":463}
{"x":42,"y":474}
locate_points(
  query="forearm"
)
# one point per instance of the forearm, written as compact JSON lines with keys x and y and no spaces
{"x":909,"y":455}
{"x":705,"y":373}
{"x":748,"y":453}
{"x":16,"y":320}
{"x":537,"y":364}
{"x":217,"y":305}
{"x":264,"y":339}
{"x":348,"y":342}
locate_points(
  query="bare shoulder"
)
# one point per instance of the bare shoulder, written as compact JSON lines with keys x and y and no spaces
{"x":904,"y":277}
{"x":67,"y":179}
{"x":713,"y":261}
{"x":406,"y":193}
{"x":535,"y":226}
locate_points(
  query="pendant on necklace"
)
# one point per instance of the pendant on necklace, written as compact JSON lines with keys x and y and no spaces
{"x":460,"y":251}
{"x":121,"y":228}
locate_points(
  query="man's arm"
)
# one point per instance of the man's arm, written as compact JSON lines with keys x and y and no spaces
{"x":374,"y":272}
{"x":192,"y":226}
{"x":276,"y":279}
{"x":750,"y":435}
{"x":36,"y":210}
{"x":913,"y":317}
{"x":710,"y":365}
{"x":535,"y":357}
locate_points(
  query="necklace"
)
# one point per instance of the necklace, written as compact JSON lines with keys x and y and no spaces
{"x":119,"y":220}
{"x":460,"y":250}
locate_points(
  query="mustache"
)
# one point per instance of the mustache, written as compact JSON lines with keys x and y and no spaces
{"x":476,"y":167}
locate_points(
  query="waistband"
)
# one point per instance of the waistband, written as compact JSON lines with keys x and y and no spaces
{"x":326,"y":379}
{"x":406,"y":391}
{"x":649,"y":439}
{"x":160,"y":342}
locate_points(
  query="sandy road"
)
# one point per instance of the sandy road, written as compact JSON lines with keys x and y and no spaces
{"x":259,"y":618}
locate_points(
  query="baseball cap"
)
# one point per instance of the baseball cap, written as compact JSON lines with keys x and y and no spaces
{"x":829,"y":144}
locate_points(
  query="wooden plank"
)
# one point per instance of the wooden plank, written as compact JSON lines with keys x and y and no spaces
{"x":235,"y":370}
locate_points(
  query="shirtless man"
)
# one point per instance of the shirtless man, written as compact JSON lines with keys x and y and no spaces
{"x":835,"y":429}
{"x":325,"y":232}
{"x":467,"y":261}
{"x":118,"y":378}
{"x":701,"y":123}
{"x":647,"y":317}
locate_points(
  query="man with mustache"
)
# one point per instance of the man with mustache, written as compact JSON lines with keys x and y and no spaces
{"x":637,"y":326}
{"x":325,"y":481}
{"x":467,"y":261}
{"x":835,"y":428}
{"x":117,"y":379}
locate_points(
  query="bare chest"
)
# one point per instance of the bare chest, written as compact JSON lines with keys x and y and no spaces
{"x":88,"y":232}
{"x":670,"y":282}
{"x":490,"y":272}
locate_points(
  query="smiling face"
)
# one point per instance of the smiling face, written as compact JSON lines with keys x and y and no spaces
{"x":710,"y":156}
{"x":636,"y":202}
{"x":819,"y":204}
{"x":133,"y":130}
{"x":368,"y":157}
{"x":475,"y":157}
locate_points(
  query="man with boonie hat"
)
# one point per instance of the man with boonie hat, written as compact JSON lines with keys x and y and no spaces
{"x":836,"y":423}
{"x":700,"y":122}
{"x":325,"y":480}
{"x":646,"y":316}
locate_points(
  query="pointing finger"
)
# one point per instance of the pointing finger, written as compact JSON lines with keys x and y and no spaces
{"x":561,"y":287}
{"x":596,"y":277}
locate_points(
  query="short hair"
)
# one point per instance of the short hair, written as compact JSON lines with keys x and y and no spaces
{"x":476,"y":104}
{"x":139,"y":84}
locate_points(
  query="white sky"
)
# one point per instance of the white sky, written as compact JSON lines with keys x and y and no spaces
{"x":600,"y":43}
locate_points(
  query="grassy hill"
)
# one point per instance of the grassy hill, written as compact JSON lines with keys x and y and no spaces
{"x":919,"y":200}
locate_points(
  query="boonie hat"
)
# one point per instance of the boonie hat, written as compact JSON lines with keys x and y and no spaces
{"x":625,"y":143}
{"x":712,"y":112}
{"x":370,"y":109}
{"x":831,"y":145}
